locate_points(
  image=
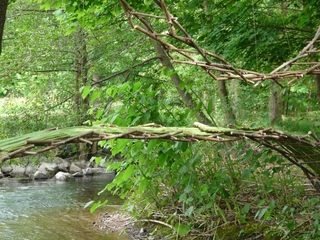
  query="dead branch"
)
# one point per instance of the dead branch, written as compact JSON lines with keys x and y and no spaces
{"x":218,"y":64}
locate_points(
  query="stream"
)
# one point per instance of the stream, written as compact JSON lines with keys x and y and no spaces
{"x":54,"y":210}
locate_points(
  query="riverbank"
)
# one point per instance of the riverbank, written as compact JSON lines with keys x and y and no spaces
{"x":42,"y":167}
{"x":123,"y":223}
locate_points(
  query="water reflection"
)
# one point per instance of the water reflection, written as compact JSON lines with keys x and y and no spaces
{"x":52,"y":210}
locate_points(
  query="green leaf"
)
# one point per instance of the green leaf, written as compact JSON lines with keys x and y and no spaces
{"x":188,"y":189}
{"x":261,"y":213}
{"x":169,"y":73}
{"x":184,"y":146}
{"x":267,"y":215}
{"x":125,"y":175}
{"x":70,"y":30}
{"x":123,"y":88}
{"x":182,"y":229}
{"x":88,"y":204}
{"x":184,"y":169}
{"x":46,"y":5}
{"x":246,"y":173}
{"x":136,"y":86}
{"x":248,"y":155}
{"x":152,"y":143}
{"x":210,"y":106}
{"x":99,"y":113}
{"x":135,"y":120}
{"x":120,"y":144}
{"x":146,"y":117}
{"x":56,"y":5}
{"x":189,"y":211}
{"x":143,"y":185}
{"x":245,"y":208}
{"x":94,"y":96}
{"x":162,"y":158}
{"x":182,"y":85}
{"x":262,"y":202}
{"x":85,"y":91}
{"x":112,"y":92}
{"x":96,"y":205}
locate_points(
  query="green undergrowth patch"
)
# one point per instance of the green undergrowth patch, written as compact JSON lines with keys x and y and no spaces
{"x":210,"y":191}
{"x":302,"y":124}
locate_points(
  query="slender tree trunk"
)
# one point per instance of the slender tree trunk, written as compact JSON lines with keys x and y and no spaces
{"x":81,"y":77}
{"x":80,"y":80}
{"x":3,"y":11}
{"x":276,"y":109}
{"x":317,"y":83}
{"x":186,"y":97}
{"x":229,"y":116}
{"x":234,"y":91}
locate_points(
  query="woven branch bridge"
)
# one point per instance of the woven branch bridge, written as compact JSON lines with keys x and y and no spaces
{"x":302,"y":151}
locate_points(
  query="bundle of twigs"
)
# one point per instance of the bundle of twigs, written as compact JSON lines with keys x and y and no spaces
{"x":302,"y":151}
{"x":187,"y":51}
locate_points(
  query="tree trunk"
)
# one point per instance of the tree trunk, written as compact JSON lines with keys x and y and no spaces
{"x":229,"y":116}
{"x":234,"y":91}
{"x":275,"y":110}
{"x":80,"y":80}
{"x":81,"y":77}
{"x":317,"y":83}
{"x":186,"y":97}
{"x":3,"y":11}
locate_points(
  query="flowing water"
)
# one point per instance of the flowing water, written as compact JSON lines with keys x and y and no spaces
{"x":45,"y":210}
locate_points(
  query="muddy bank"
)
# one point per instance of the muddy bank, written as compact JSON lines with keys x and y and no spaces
{"x":124,"y":223}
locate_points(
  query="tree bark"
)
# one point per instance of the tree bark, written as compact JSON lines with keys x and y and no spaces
{"x":3,"y":11}
{"x":81,"y":76}
{"x":235,"y":96}
{"x":186,"y":97}
{"x":317,"y":84}
{"x":276,"y":109}
{"x":229,"y":116}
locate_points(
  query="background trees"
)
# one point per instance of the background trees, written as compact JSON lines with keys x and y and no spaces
{"x":3,"y":11}
{"x":79,"y":62}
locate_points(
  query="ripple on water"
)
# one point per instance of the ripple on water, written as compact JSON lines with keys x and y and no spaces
{"x":52,"y":210}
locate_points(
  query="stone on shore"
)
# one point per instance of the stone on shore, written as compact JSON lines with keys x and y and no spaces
{"x":63,"y":176}
{"x":63,"y":165}
{"x":74,"y":168}
{"x":18,"y":171}
{"x":46,"y":170}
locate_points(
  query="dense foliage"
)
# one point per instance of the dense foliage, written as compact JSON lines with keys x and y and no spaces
{"x":66,"y":63}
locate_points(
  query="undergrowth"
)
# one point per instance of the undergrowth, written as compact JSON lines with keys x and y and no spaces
{"x":208,"y":191}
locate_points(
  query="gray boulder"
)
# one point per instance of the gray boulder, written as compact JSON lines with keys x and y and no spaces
{"x":29,"y":170}
{"x":63,"y":165}
{"x":1,"y":174}
{"x":87,"y":171}
{"x":6,"y":170}
{"x":46,"y":170}
{"x":74,"y":168}
{"x":63,"y":176}
{"x":18,"y":171}
{"x":81,"y":164}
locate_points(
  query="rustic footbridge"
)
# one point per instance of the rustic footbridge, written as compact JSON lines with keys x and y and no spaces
{"x":300,"y":150}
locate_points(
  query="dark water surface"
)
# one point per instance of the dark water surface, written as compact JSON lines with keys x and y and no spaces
{"x":48,"y":210}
